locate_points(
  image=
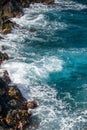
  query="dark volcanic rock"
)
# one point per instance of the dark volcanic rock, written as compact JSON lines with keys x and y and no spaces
{"x":14,"y":111}
{"x":3,"y":56}
{"x":13,"y":8}
{"x":13,"y":106}
{"x":6,"y":77}
{"x":3,"y":87}
{"x":15,"y":93}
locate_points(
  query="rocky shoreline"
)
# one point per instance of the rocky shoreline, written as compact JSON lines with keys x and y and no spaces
{"x":13,"y":8}
{"x":14,"y":108}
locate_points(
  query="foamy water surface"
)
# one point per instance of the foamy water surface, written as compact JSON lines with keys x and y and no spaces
{"x":48,"y":63}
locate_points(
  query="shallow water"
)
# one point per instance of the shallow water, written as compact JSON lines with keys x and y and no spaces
{"x":49,"y":63}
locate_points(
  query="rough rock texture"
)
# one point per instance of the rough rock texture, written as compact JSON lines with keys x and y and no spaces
{"x":14,"y":107}
{"x":3,"y":57}
{"x":13,"y":8}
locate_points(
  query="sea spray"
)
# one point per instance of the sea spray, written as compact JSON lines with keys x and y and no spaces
{"x":49,"y":52}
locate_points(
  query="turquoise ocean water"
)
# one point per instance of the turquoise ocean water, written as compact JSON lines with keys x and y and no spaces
{"x":49,"y":63}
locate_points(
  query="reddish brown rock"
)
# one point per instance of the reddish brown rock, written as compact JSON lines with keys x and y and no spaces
{"x":15,"y":93}
{"x":14,"y":112}
{"x":32,"y":104}
{"x":8,"y":25}
{"x":6,"y":30}
{"x":15,"y":118}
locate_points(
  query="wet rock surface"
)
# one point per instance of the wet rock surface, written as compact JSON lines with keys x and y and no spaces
{"x":13,"y":8}
{"x":3,"y":57}
{"x":14,"y":108}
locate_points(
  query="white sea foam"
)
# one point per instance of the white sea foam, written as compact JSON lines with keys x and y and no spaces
{"x":37,"y":71}
{"x":51,"y":111}
{"x":28,"y":21}
{"x":62,"y":4}
{"x":33,"y":15}
{"x":36,"y":17}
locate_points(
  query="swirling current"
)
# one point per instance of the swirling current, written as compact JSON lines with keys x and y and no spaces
{"x":49,"y":63}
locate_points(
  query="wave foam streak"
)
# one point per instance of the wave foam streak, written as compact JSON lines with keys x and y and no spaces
{"x":34,"y":72}
{"x":37,"y":62}
{"x":68,"y":4}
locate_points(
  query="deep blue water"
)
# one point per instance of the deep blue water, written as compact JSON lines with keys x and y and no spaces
{"x":49,"y":63}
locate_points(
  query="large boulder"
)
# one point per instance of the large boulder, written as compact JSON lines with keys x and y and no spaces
{"x":14,"y":107}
